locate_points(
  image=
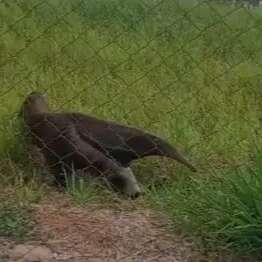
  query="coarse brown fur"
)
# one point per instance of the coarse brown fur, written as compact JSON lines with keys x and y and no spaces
{"x":75,"y":140}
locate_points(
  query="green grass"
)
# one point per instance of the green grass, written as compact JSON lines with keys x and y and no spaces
{"x":181,"y":72}
{"x":20,"y":187}
{"x":81,"y":191}
{"x":85,"y":191}
{"x":14,"y":221}
{"x":189,"y":71}
{"x":223,"y":208}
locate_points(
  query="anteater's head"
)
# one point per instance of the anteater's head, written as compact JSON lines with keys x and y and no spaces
{"x":35,"y":102}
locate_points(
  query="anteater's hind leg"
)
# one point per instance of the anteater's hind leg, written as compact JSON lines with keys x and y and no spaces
{"x":85,"y":156}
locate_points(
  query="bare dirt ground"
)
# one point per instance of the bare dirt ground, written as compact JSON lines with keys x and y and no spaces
{"x":68,"y":233}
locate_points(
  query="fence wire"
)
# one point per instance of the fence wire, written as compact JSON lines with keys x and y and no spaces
{"x":189,"y":71}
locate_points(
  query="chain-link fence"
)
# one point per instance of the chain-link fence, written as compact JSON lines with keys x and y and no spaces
{"x":243,"y":3}
{"x":188,"y":72}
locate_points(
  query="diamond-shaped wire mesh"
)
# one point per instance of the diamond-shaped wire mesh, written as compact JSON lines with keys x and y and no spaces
{"x":187,"y":71}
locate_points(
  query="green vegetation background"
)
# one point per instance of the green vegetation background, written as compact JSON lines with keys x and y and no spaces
{"x":189,"y":71}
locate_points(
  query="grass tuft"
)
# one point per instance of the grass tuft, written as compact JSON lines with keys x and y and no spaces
{"x":14,"y":221}
{"x":224,"y":208}
{"x":81,"y":191}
